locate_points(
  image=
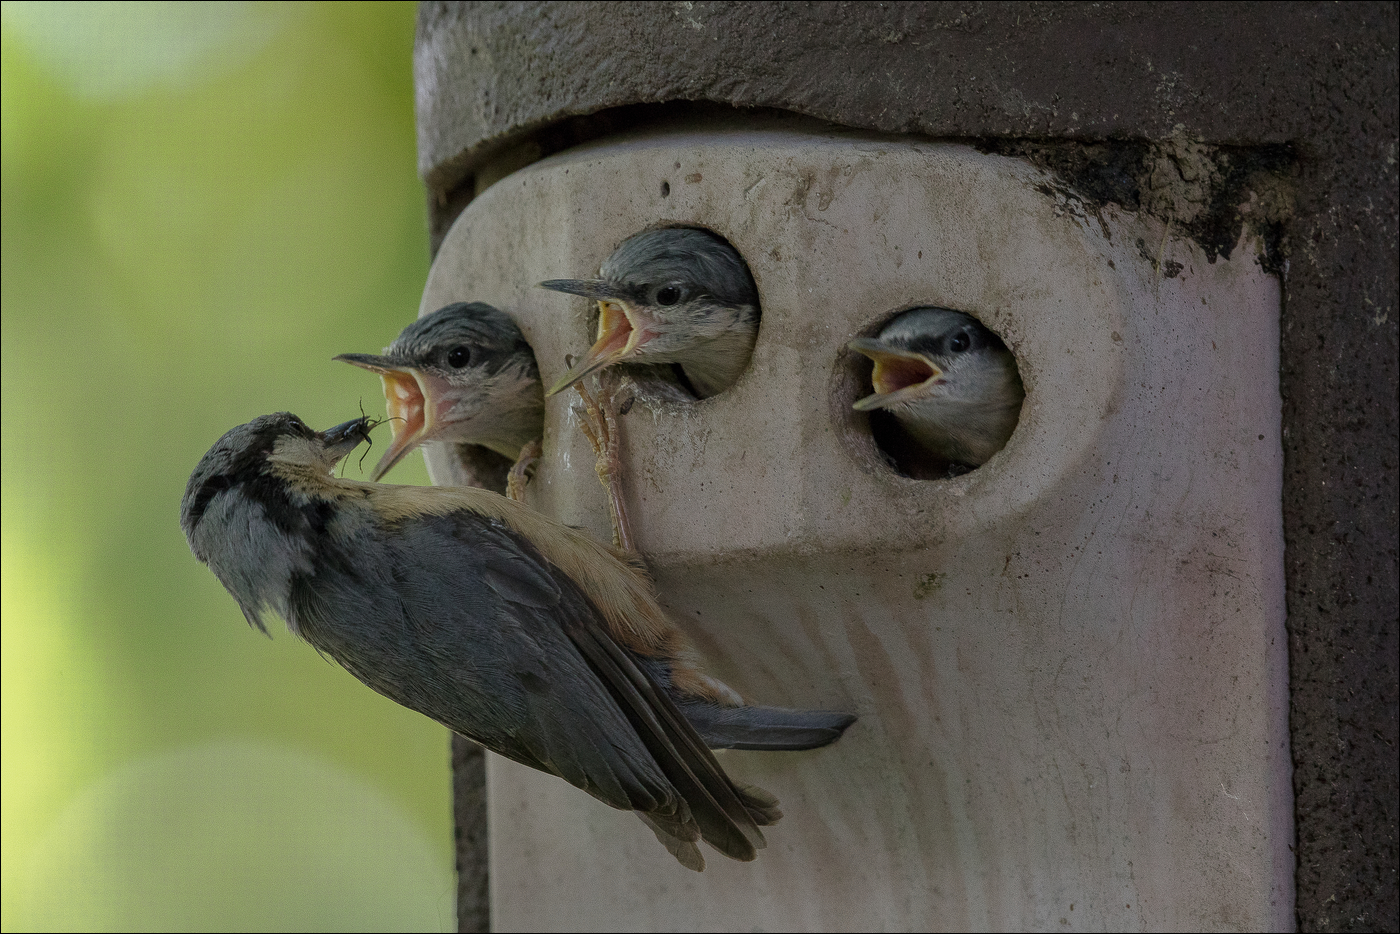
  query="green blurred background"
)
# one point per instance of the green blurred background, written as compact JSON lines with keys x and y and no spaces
{"x":202,"y":204}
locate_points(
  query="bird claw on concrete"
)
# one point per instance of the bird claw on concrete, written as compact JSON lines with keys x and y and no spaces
{"x":522,"y":470}
{"x":598,"y":419}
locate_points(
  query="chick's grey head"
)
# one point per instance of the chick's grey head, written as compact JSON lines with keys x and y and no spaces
{"x":949,"y":381}
{"x":461,"y":374}
{"x":251,"y":508}
{"x":676,"y":295}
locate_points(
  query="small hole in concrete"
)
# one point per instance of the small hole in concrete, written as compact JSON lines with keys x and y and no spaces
{"x":665,"y":189}
{"x":949,"y":398}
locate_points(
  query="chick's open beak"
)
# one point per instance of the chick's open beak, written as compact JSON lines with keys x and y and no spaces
{"x":899,"y":376}
{"x":622,"y":328}
{"x":412,"y":399}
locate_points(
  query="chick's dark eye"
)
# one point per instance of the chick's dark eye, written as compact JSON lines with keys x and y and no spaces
{"x":458,"y":357}
{"x":960,"y":343}
{"x":668,"y":295}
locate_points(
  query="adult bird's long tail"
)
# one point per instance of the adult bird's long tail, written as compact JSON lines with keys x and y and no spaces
{"x":724,"y":813}
{"x":766,"y":729}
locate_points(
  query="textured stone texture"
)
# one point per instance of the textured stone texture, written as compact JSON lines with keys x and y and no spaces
{"x":1319,"y":78}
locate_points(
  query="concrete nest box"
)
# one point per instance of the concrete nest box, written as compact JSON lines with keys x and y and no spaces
{"x":1068,"y":663}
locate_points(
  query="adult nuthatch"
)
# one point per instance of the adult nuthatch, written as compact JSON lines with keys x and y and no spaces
{"x":510,"y":628}
{"x":677,"y":295}
{"x":461,"y":374}
{"x":949,"y":381}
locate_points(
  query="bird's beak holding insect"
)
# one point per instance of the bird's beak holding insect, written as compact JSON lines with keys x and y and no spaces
{"x":623,"y":328}
{"x":412,"y":398}
{"x":345,"y":437}
{"x":900,"y":376}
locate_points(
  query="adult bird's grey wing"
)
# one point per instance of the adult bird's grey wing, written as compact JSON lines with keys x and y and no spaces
{"x":492,"y":667}
{"x":507,"y":651}
{"x":725,"y":814}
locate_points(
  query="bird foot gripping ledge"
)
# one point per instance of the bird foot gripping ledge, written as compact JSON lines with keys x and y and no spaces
{"x":598,"y":420}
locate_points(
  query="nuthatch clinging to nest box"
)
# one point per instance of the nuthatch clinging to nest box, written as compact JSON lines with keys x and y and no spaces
{"x":949,"y":381}
{"x":677,"y":295}
{"x":461,"y":374}
{"x":510,"y":628}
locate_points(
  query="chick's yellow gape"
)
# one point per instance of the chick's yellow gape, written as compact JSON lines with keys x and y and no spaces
{"x":462,"y":374}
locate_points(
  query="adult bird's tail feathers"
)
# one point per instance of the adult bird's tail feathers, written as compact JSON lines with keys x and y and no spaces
{"x":720,"y":813}
{"x":762,"y":806}
{"x":678,"y":837}
{"x":764,"y":729}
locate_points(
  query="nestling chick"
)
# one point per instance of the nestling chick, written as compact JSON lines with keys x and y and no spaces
{"x":677,"y":295}
{"x":461,"y":374}
{"x":949,"y":381}
{"x":512,"y":629}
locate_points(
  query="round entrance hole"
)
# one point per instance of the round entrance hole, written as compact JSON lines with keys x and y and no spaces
{"x":691,"y":293}
{"x":935,"y":391}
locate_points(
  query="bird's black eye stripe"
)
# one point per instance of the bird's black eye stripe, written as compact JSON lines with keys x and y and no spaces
{"x":300,"y":427}
{"x":247,"y":466}
{"x":459,"y":357}
{"x":668,"y":295}
{"x":923,"y":344}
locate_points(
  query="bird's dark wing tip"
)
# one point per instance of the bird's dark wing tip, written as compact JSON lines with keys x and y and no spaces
{"x":678,"y":839}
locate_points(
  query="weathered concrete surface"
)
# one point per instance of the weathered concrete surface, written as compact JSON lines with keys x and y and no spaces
{"x":488,"y":73}
{"x":1319,"y":77}
{"x":1069,"y":664}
